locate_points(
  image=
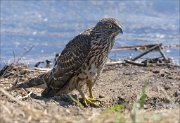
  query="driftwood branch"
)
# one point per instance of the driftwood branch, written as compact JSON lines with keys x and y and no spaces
{"x":148,"y":47}
{"x":162,"y":54}
{"x":114,"y":62}
{"x":135,"y":63}
{"x":137,"y":47}
{"x":144,"y":53}
{"x":155,"y":47}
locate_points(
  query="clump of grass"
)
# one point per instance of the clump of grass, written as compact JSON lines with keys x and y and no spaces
{"x":135,"y":113}
{"x":143,"y":96}
{"x":115,"y":110}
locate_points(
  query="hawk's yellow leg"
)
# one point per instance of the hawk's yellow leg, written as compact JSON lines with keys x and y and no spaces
{"x":89,"y":85}
{"x":89,"y":101}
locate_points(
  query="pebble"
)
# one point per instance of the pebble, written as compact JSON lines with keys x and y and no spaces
{"x":167,"y":87}
{"x":177,"y":93}
{"x":155,"y":71}
{"x":101,"y":96}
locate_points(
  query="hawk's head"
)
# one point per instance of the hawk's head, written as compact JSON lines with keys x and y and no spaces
{"x":109,"y":26}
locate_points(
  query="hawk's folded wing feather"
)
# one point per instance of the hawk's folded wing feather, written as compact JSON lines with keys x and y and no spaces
{"x":68,"y":63}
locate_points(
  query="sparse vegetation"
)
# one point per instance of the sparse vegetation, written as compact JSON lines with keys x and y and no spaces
{"x":143,"y":96}
{"x":125,"y":98}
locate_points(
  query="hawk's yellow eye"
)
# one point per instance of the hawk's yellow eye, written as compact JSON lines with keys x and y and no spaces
{"x":110,"y":26}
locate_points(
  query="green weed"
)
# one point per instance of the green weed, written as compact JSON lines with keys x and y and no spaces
{"x":143,"y":96}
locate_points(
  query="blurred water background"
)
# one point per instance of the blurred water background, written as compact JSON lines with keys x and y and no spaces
{"x":48,"y":25}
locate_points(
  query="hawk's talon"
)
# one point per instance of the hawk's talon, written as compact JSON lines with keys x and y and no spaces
{"x":93,"y":102}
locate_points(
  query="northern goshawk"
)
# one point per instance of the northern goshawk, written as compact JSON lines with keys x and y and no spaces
{"x":80,"y":63}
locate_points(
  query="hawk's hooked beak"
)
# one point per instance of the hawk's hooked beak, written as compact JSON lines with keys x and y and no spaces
{"x":120,"y":30}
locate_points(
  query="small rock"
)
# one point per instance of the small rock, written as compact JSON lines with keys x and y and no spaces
{"x":167,"y":87}
{"x":170,"y":77}
{"x":177,"y":93}
{"x":162,"y":74}
{"x":120,"y":100}
{"x":101,"y":96}
{"x":155,"y":71}
{"x":145,"y":107}
{"x":129,"y":85}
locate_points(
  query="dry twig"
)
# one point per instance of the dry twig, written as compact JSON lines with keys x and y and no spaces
{"x":27,"y":51}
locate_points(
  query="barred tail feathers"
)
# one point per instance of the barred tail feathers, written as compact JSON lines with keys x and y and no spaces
{"x":39,"y":81}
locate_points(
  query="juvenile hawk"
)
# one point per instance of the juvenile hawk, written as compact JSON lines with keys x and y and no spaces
{"x":80,"y":63}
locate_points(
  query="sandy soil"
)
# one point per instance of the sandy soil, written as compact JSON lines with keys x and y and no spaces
{"x":119,"y":84}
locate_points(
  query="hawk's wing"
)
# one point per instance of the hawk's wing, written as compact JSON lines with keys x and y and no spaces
{"x":68,"y":63}
{"x":73,"y":55}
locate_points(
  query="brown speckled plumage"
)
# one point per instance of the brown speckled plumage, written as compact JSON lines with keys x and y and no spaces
{"x":81,"y":62}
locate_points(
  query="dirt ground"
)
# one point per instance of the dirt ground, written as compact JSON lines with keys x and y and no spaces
{"x":119,"y":85}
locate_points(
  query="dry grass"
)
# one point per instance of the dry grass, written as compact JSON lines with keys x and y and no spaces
{"x":27,"y":110}
{"x":19,"y":107}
